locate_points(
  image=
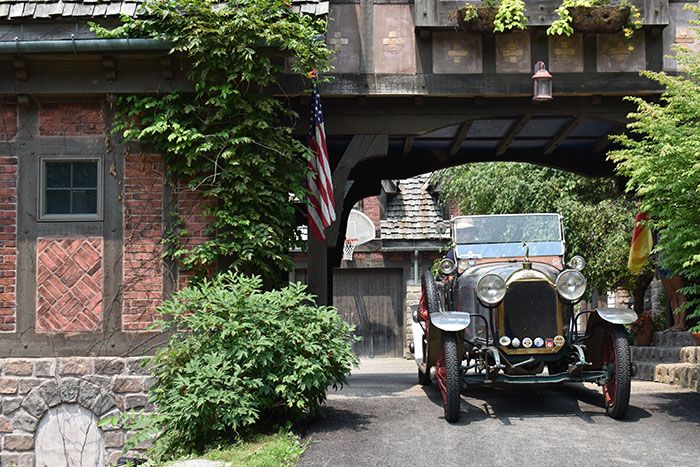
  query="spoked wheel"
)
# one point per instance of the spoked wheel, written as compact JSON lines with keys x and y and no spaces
{"x":447,"y":376}
{"x":616,"y":359}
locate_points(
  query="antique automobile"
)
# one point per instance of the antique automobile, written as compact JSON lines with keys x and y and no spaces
{"x":501,"y":309}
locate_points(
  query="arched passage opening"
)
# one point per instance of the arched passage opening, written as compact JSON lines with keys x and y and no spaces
{"x":399,"y":139}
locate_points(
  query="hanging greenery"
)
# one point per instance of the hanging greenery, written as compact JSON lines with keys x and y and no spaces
{"x":230,"y":137}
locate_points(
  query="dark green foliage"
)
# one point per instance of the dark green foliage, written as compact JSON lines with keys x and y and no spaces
{"x":231,"y":138}
{"x":663,"y":164}
{"x":597,"y":219}
{"x":241,"y":359}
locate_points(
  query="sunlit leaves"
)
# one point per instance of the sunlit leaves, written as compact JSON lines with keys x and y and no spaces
{"x":231,"y":137}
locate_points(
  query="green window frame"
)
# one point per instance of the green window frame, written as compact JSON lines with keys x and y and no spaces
{"x":70,"y":188}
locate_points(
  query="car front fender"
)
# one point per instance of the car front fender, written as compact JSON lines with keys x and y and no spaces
{"x":450,"y":321}
{"x":617,"y":315}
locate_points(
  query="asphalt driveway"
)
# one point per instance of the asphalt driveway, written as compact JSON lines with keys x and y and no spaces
{"x":384,"y":418}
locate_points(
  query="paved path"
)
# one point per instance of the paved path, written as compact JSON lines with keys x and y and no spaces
{"x":384,"y":418}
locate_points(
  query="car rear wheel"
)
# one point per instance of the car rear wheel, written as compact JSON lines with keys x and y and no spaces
{"x":616,"y":358}
{"x":447,"y":376}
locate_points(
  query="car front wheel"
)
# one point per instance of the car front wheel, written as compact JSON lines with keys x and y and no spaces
{"x":447,"y":376}
{"x":616,"y":358}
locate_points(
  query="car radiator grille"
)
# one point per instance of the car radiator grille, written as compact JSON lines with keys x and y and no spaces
{"x":530,"y":310}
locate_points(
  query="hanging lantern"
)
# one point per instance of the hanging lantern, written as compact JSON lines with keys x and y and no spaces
{"x":541,"y":83}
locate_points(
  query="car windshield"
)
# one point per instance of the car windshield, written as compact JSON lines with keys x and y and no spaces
{"x":503,"y":235}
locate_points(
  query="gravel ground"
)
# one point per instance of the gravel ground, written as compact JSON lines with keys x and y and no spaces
{"x":384,"y":418}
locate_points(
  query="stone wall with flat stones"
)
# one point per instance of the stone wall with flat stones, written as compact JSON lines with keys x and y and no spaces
{"x":32,"y":391}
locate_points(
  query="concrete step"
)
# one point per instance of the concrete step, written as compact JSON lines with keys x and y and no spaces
{"x":657,"y":354}
{"x":673,"y":339}
{"x":679,"y":374}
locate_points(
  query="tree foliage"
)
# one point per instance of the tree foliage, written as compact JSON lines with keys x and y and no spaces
{"x":662,"y":161}
{"x":597,"y":219}
{"x":230,"y":137}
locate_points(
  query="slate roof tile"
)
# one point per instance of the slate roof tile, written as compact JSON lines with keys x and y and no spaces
{"x":15,"y":9}
{"x":413,"y":212}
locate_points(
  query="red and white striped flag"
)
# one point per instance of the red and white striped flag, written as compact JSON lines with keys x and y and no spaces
{"x":321,"y":210}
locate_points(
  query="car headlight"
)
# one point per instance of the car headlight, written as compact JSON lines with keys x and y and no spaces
{"x":577,"y":262}
{"x":491,"y":289}
{"x":571,"y":285}
{"x":447,"y":266}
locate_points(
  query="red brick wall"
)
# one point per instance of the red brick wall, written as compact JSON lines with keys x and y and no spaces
{"x":8,"y":122}
{"x":69,"y":284}
{"x":371,"y":207}
{"x":143,"y":231}
{"x":71,"y":119}
{"x":190,"y":204}
{"x":8,"y":240}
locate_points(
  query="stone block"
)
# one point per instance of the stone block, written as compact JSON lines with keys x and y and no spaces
{"x":17,"y":367}
{"x":104,"y":382}
{"x":68,"y":389}
{"x":10,"y":404}
{"x":128,"y":384}
{"x":75,"y":366}
{"x":18,"y":442}
{"x":114,"y":439}
{"x":24,"y":422}
{"x":139,"y":366}
{"x":134,"y":401}
{"x":45,"y":368}
{"x":103,"y":404}
{"x":27,"y":384}
{"x":8,"y":385}
{"x":109,"y":366}
{"x":17,"y":460}
{"x":49,"y":391}
{"x":34,"y":404}
{"x":89,"y":393}
{"x":5,"y":425}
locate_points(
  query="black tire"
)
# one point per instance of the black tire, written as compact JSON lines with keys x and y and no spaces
{"x":616,"y":392}
{"x":432,"y":299}
{"x":452,"y":398}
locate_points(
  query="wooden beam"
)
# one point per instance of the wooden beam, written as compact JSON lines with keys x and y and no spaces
{"x":407,"y":145}
{"x":459,"y":138}
{"x":562,"y":134}
{"x":512,"y":133}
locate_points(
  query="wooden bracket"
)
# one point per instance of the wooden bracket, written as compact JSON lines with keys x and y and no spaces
{"x":166,"y":68}
{"x":21,"y":70}
{"x":109,"y":64}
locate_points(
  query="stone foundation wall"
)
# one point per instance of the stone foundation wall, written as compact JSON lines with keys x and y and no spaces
{"x":39,"y":397}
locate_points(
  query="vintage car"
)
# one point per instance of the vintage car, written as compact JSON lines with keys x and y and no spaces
{"x":501,"y":310}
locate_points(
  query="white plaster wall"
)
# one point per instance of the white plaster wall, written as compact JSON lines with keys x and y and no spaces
{"x":68,"y":436}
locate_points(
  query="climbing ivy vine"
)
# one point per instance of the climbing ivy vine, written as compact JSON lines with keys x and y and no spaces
{"x":231,"y":137}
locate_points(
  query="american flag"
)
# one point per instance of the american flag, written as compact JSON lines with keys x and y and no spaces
{"x":321,"y":210}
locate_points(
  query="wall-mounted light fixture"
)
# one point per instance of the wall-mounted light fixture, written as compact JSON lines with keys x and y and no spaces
{"x":541,"y":83}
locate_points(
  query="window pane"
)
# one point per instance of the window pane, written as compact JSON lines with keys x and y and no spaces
{"x":57,"y":174}
{"x":57,"y":202}
{"x":84,"y":174}
{"x":84,"y":202}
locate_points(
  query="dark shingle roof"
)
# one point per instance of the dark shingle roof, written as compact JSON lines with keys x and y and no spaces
{"x":413,"y":212}
{"x":45,"y":9}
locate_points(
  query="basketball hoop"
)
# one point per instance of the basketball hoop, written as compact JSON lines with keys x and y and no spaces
{"x":349,"y":248}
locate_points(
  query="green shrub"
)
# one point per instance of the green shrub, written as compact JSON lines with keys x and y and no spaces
{"x":241,"y":359}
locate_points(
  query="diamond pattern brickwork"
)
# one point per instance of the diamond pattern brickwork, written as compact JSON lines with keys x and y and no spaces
{"x":69,"y":284}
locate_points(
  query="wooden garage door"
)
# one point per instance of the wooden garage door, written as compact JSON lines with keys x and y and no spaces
{"x":372,"y":300}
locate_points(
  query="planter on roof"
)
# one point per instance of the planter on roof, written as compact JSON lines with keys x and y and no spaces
{"x":483,"y":22}
{"x":605,"y":19}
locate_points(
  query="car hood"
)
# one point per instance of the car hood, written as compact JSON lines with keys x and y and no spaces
{"x":505,"y":270}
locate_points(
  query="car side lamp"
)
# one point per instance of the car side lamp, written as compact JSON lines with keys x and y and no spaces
{"x":541,"y":83}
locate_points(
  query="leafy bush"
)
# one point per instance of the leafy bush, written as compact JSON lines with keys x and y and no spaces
{"x":241,"y":359}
